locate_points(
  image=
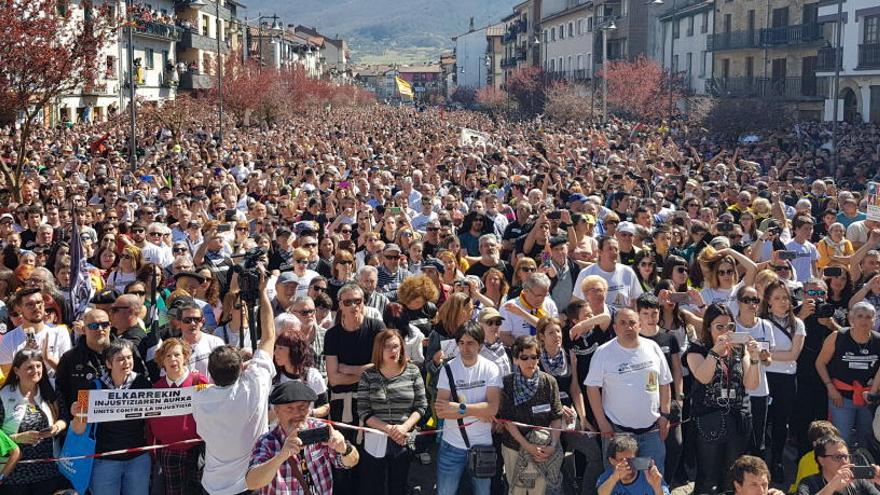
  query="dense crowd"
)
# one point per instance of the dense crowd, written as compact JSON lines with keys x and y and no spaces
{"x":612,"y":309}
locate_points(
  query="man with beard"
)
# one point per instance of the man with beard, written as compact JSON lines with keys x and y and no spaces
{"x":33,"y":333}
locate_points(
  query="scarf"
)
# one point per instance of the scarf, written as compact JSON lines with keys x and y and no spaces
{"x":523,"y":388}
{"x":556,"y":365}
{"x":550,"y":469}
{"x":108,"y":380}
{"x":836,"y":247}
{"x":536,"y":312}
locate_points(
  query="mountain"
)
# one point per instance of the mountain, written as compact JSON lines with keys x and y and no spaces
{"x":388,"y":30}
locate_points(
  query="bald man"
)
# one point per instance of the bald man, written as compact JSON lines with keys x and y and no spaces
{"x":84,"y":363}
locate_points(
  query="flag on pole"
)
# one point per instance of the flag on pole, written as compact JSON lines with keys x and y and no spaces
{"x":80,"y":283}
{"x":403,"y":87}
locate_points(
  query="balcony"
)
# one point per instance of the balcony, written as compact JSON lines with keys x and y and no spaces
{"x":791,"y":35}
{"x":580,"y":75}
{"x":195,"y":80}
{"x":522,"y":54}
{"x":825,"y":59}
{"x":192,"y":39}
{"x":787,"y":88}
{"x":869,"y":56}
{"x":508,"y":62}
{"x":210,"y":8}
{"x":734,"y":40}
{"x":159,"y":31}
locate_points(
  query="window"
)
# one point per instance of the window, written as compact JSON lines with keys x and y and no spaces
{"x":570,"y":29}
{"x":568,"y":66}
{"x":553,"y":34}
{"x":703,"y":57}
{"x":552,"y":65}
{"x":580,"y":60}
{"x":589,"y":24}
{"x":580,"y":27}
{"x":150,"y":56}
{"x":546,"y":36}
{"x":675,"y":63}
{"x":562,"y":31}
{"x":675,"y":29}
{"x":110,"y":68}
{"x":690,"y":30}
{"x":689,"y":60}
{"x":750,"y":67}
{"x":872,"y":29}
{"x":704,"y":24}
{"x":206,"y":25}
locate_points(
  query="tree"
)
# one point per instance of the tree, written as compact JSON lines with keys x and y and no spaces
{"x":47,"y":50}
{"x":464,"y":95}
{"x":568,"y":103}
{"x":526,"y":85}
{"x":493,"y":100}
{"x":178,"y":114}
{"x":640,"y":89}
{"x":732,"y":117}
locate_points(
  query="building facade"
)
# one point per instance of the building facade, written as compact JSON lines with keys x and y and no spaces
{"x":768,"y":50}
{"x":567,"y":39}
{"x":859,"y":87}
{"x":684,"y":33}
{"x":472,"y":60}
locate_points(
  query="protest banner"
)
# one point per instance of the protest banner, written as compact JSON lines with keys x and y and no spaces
{"x":873,"y":201}
{"x":471,"y":137}
{"x":117,"y":405}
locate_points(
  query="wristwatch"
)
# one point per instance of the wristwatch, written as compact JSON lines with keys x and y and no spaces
{"x":462,"y":408}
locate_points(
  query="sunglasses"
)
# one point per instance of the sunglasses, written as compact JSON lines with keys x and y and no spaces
{"x":310,"y":245}
{"x":303,"y":261}
{"x":179,"y":250}
{"x":305,"y":312}
{"x":98,"y":325}
{"x":344,"y":262}
{"x":351,"y":302}
{"x":723,"y":273}
{"x":494,"y":322}
{"x":138,"y":293}
{"x":392,"y":257}
{"x":725,"y":326}
{"x":782,"y":268}
{"x":345,"y":231}
{"x":192,"y":320}
{"x":433,"y":229}
{"x":750,"y":300}
{"x":681,"y":269}
{"x":154,"y":234}
{"x":646,"y":263}
{"x":531,"y":357}
{"x":319,"y":288}
{"x":527,"y":269}
{"x":241,"y":229}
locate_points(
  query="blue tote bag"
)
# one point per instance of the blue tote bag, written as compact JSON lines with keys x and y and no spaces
{"x":79,"y":471}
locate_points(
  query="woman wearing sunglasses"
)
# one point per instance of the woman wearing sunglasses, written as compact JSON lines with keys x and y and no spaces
{"x":532,"y":458}
{"x":126,"y":268}
{"x":721,"y":279}
{"x":723,"y":374}
{"x":493,"y":349}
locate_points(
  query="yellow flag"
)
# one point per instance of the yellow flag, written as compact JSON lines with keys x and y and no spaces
{"x":403,"y":87}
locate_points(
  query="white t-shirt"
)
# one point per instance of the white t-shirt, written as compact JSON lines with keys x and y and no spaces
{"x":722,"y":296}
{"x":516,"y":324}
{"x":783,"y":344}
{"x":471,"y":384}
{"x":15,"y":340}
{"x":314,"y":380}
{"x":807,"y":254}
{"x":201,"y":350}
{"x":630,"y":381}
{"x":762,"y":332}
{"x":623,"y":286}
{"x":228,"y":443}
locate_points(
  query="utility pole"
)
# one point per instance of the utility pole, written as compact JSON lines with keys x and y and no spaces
{"x":838,"y":56}
{"x":132,"y":94}
{"x":219,"y":74}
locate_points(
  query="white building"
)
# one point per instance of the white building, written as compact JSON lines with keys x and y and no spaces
{"x":684,"y":30}
{"x":155,"y":38}
{"x":471,"y":53}
{"x":859,"y":94}
{"x":567,"y":38}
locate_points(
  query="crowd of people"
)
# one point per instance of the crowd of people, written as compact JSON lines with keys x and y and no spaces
{"x":612,"y":309}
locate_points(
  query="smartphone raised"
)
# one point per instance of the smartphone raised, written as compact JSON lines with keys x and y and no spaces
{"x":314,"y":435}
{"x":833,"y":271}
{"x":640,"y":463}
{"x":787,"y":255}
{"x":738,"y":337}
{"x":863,"y":472}
{"x":679,"y":297}
{"x":396,"y":210}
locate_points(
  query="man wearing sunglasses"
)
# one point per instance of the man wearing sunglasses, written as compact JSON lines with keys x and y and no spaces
{"x":191,"y":320}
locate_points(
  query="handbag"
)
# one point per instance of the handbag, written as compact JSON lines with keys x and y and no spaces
{"x":482,"y":460}
{"x":714,"y":427}
{"x":79,"y":471}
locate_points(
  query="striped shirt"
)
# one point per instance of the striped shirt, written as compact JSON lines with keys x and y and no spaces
{"x":391,"y":399}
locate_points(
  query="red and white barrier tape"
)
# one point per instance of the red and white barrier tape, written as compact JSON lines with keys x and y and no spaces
{"x":335,"y":424}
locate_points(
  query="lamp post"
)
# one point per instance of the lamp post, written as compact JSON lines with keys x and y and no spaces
{"x":275,"y":26}
{"x":132,"y":92}
{"x":838,"y":55}
{"x":608,"y":25}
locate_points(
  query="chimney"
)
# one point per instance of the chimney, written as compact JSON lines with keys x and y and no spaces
{"x":471,"y":25}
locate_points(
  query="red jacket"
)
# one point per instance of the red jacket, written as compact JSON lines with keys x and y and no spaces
{"x":170,"y":429}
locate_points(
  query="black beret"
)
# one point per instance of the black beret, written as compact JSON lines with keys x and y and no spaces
{"x":292,"y":391}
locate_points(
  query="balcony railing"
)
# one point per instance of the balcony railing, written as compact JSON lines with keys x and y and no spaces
{"x":192,"y":39}
{"x":791,"y":35}
{"x":825,"y":59}
{"x":194,"y":80}
{"x":158,"y":31}
{"x":787,"y":88}
{"x":733,"y":40}
{"x":869,"y":56}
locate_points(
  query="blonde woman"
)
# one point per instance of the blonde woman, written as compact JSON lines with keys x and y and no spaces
{"x":721,"y":278}
{"x":126,"y":270}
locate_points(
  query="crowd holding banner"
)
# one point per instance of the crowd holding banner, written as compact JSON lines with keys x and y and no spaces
{"x":315,"y":306}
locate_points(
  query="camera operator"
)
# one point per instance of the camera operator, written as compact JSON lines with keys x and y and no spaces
{"x":283,"y":459}
{"x":812,"y":398}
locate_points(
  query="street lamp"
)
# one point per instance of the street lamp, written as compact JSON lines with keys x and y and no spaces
{"x":132,"y":102}
{"x":609,"y":27}
{"x":274,"y":27}
{"x":838,"y":55}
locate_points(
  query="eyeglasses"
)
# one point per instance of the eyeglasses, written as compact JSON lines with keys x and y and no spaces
{"x":310,"y":245}
{"x":750,"y":300}
{"x":345,"y":231}
{"x":179,"y":250}
{"x":646,"y":263}
{"x":241,"y":229}
{"x":351,"y":302}
{"x":98,"y":325}
{"x":344,"y":262}
{"x":126,"y":257}
{"x":154,"y":234}
{"x":611,"y":222}
{"x":433,"y":229}
{"x":494,"y":322}
{"x":192,"y":320}
{"x":838,"y":457}
{"x":781,"y":268}
{"x":302,"y":261}
{"x":138,"y":231}
{"x":319,"y":288}
{"x":815,"y":293}
{"x":531,"y":357}
{"x":681,"y":269}
{"x":305,"y":312}
{"x":138,"y":293}
{"x":527,"y":269}
{"x":723,"y":273}
{"x":392,"y":256}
